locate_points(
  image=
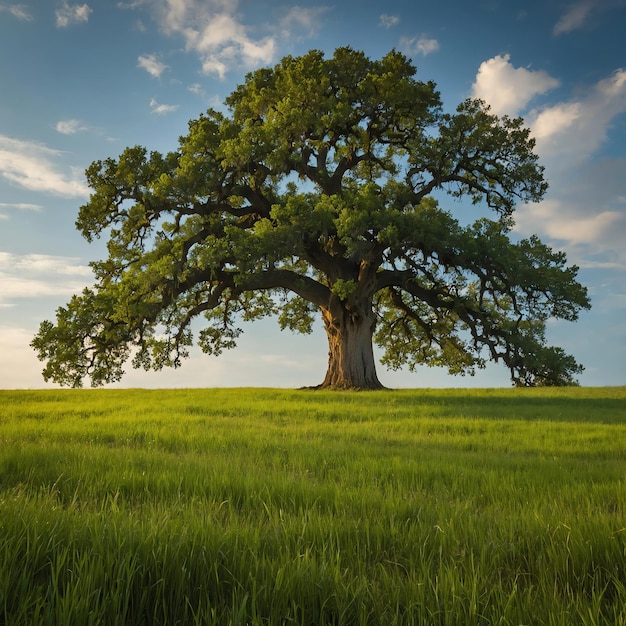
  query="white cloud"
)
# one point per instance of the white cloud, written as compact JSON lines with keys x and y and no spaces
{"x":568,"y":132}
{"x":68,"y":14}
{"x":419,"y":45}
{"x":212,"y":65}
{"x":584,"y":209}
{"x":578,"y":14}
{"x":40,"y":264}
{"x":555,"y":119}
{"x":388,"y":21}
{"x":222,"y":40}
{"x":257,"y":53}
{"x":70,"y":127}
{"x":574,"y":17}
{"x":131,"y":5}
{"x":561,"y":220}
{"x":298,"y":17}
{"x":152,"y":65}
{"x":508,"y":89}
{"x":40,"y":275}
{"x":212,"y":30}
{"x":19,"y":11}
{"x":21,"y":206}
{"x":162,"y":109}
{"x":32,"y":166}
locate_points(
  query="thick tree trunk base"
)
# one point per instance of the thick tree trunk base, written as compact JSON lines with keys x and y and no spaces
{"x":346,"y":387}
{"x":351,"y":363}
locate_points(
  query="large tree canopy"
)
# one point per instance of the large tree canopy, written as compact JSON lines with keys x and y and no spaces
{"x":318,"y":193}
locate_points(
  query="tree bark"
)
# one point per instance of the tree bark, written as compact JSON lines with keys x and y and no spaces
{"x":351,"y":363}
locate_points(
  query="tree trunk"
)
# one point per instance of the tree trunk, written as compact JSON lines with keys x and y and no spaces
{"x":351,"y":363}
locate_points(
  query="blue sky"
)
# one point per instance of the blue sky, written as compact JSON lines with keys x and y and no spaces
{"x":81,"y":81}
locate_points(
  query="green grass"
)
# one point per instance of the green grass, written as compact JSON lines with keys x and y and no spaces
{"x":262,"y":506}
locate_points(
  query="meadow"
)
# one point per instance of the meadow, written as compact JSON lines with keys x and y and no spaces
{"x":294,"y":507}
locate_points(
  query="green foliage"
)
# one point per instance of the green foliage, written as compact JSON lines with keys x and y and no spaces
{"x":316,"y":193}
{"x":267,"y":506}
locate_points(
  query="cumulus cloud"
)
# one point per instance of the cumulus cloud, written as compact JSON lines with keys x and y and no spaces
{"x":34,"y":166}
{"x":162,"y":109}
{"x":569,"y":132}
{"x":585,"y":207}
{"x":509,"y":89}
{"x":584,"y":211}
{"x":152,"y":65}
{"x":18,"y":11}
{"x":222,"y":41}
{"x":212,"y":30}
{"x":388,"y":21}
{"x":68,"y":14}
{"x":423,"y":45}
{"x":215,"y":32}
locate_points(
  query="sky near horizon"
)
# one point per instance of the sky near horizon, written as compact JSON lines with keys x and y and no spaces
{"x":79,"y":82}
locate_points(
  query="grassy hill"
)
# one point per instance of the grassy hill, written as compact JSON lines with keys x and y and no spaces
{"x":267,"y":506}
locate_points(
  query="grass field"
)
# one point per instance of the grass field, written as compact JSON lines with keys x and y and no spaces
{"x":261,"y":506}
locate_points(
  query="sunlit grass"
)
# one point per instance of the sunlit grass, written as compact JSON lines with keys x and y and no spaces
{"x":263,"y":506}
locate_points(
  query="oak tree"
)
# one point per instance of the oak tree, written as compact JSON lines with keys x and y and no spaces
{"x":317,"y":193}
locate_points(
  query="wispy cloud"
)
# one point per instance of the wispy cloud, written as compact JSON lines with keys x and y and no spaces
{"x":68,"y":14}
{"x":509,"y":89}
{"x":574,"y":17}
{"x":304,"y":19}
{"x":423,"y":45}
{"x":132,"y":5}
{"x":34,"y":166}
{"x":139,"y":25}
{"x":388,"y":21}
{"x":162,"y":109}
{"x":579,"y":14}
{"x":70,"y":127}
{"x":20,"y":11}
{"x":21,"y":206}
{"x":152,"y":65}
{"x":40,"y":275}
